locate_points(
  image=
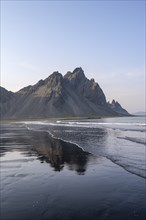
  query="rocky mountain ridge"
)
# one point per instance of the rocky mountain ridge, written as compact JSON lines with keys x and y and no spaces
{"x":70,"y":95}
{"x":115,"y":106}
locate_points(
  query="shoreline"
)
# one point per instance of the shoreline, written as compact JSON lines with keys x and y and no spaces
{"x":63,"y":118}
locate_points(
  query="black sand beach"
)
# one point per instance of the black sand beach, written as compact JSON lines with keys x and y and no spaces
{"x":44,"y":178}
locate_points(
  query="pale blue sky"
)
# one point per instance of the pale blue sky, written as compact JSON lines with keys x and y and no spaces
{"x":105,"y":38}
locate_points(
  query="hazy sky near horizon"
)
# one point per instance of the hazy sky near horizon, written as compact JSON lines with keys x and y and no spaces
{"x":105,"y":38}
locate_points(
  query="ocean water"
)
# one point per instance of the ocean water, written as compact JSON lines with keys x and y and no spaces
{"x":73,"y":169}
{"x":122,"y":140}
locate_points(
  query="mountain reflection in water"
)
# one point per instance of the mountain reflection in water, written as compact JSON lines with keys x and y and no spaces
{"x":56,"y":152}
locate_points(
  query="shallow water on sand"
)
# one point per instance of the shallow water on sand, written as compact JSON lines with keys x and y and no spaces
{"x":122,"y":140}
{"x":47,"y":178}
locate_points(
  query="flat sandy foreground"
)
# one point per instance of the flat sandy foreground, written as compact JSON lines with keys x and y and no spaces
{"x":43,"y":178}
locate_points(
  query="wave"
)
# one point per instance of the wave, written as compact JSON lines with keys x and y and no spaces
{"x":140,"y":127}
{"x":53,"y":136}
{"x":131,"y":169}
{"x":128,"y":167}
{"x":130,"y":129}
{"x":136,"y":140}
{"x":99,"y":123}
{"x":81,"y":123}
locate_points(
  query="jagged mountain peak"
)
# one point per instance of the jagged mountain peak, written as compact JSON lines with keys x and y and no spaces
{"x":58,"y":96}
{"x":115,"y":106}
{"x":55,"y":78}
{"x":78,"y":70}
{"x":43,"y":87}
{"x":55,"y":74}
{"x":77,"y":74}
{"x":113,"y":102}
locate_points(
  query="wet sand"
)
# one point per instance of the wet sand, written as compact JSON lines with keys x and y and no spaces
{"x":48,"y":179}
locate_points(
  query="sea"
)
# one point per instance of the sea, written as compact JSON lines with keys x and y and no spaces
{"x":73,"y":169}
{"x":122,"y":140}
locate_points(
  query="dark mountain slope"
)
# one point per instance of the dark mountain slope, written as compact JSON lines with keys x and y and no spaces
{"x":6,"y":100}
{"x":86,"y":88}
{"x":116,"y":107}
{"x":57,"y":96}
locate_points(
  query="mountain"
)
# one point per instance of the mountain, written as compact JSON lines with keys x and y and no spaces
{"x":6,"y":99}
{"x":57,"y":96}
{"x":116,"y":107}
